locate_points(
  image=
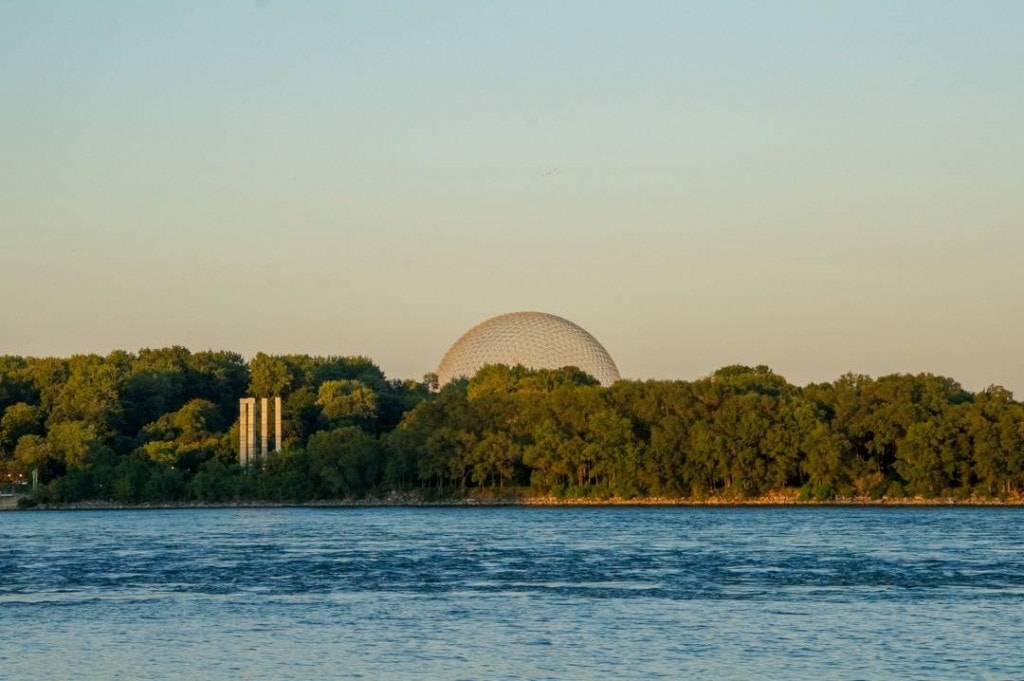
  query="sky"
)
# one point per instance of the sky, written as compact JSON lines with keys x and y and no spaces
{"x":820,"y":187}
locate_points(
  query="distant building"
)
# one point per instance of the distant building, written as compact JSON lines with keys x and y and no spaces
{"x":533,"y":339}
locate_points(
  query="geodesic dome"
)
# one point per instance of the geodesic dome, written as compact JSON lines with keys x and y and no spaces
{"x":534,"y":339}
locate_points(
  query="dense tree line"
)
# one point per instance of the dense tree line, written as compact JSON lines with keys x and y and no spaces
{"x":741,"y":433}
{"x":162,"y":425}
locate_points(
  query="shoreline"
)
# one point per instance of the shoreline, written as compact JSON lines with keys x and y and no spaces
{"x":768,"y":501}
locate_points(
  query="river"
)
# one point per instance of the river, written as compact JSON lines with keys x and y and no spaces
{"x":512,"y":593}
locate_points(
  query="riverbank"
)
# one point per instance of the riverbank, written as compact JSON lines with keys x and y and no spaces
{"x":414,"y":501}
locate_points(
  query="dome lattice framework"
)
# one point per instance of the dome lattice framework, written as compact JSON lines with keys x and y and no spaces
{"x":534,"y":339}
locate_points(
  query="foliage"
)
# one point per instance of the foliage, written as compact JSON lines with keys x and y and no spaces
{"x":161,"y":425}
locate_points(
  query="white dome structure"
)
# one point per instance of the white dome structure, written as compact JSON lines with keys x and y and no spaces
{"x":533,"y":339}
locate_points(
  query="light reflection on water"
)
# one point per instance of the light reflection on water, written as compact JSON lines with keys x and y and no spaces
{"x":513,"y":593}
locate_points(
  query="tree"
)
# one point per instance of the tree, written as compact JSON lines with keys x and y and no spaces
{"x":220,"y":377}
{"x":345,"y":461}
{"x":270,"y":376}
{"x":934,"y":457}
{"x":154,"y":383}
{"x":73,"y":441}
{"x":196,"y":420}
{"x":493,"y":458}
{"x":16,"y":384}
{"x":35,"y":453}
{"x":662,"y":472}
{"x":612,"y":453}
{"x":19,"y":419}
{"x":90,"y":395}
{"x":347,"y":401}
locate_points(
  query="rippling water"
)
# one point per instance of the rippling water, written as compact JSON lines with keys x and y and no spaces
{"x":513,"y":593}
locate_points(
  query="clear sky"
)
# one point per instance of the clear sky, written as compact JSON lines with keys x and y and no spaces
{"x":822,"y":187}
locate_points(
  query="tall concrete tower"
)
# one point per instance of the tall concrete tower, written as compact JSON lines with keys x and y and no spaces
{"x":247,"y":410}
{"x":246,"y":430}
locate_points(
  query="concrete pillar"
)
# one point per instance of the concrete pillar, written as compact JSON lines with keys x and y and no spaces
{"x":243,"y":431}
{"x":264,"y":426}
{"x":246,"y":430}
{"x":251,"y":440}
{"x":277,"y":424}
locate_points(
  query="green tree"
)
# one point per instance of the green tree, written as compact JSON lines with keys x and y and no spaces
{"x":270,"y":376}
{"x":934,"y":456}
{"x":19,"y":419}
{"x":16,"y":383}
{"x":90,"y":395}
{"x":35,"y":453}
{"x":73,"y":441}
{"x":345,"y":462}
{"x":493,"y":458}
{"x":347,"y":401}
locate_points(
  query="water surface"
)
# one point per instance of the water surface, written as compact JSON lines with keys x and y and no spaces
{"x":594,"y":593}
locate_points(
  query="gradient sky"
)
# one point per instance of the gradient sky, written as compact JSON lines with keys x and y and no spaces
{"x":820,"y":187}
